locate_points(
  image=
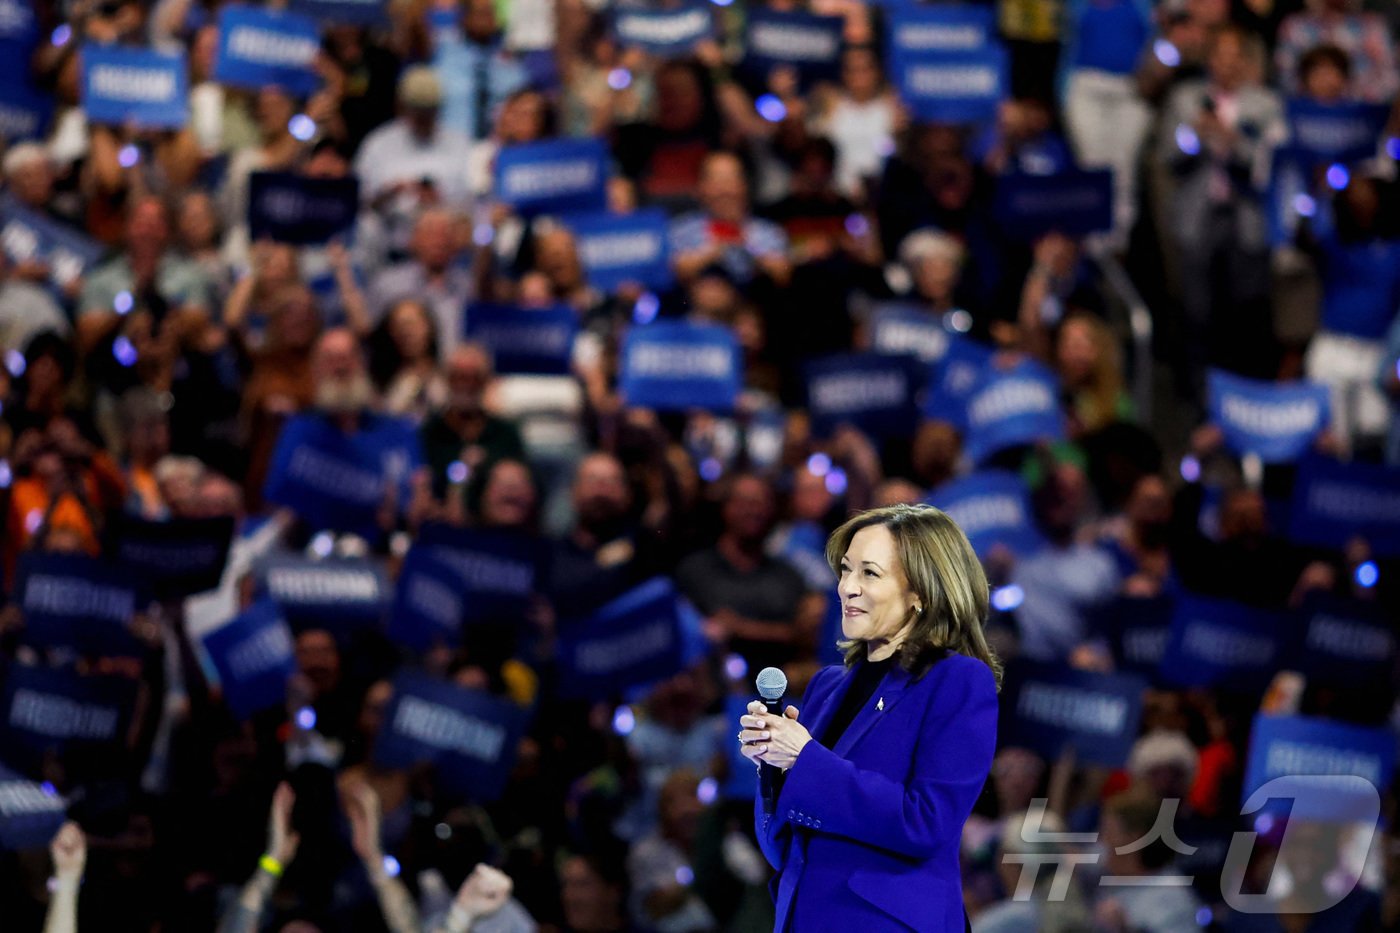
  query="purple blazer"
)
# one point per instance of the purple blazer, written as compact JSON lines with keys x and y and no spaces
{"x":865,"y":835}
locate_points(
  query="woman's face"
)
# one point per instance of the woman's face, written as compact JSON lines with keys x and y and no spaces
{"x":509,"y":496}
{"x":410,"y":330}
{"x":1077,"y":352}
{"x":274,"y":110}
{"x":522,"y":119}
{"x":197,"y":226}
{"x":875,"y":597}
{"x":297,"y":323}
{"x":860,"y":74}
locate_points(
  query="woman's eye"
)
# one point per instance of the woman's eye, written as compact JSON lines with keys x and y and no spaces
{"x":871,"y":573}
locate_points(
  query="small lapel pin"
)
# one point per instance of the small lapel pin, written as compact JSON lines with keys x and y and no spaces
{"x":881,"y":705}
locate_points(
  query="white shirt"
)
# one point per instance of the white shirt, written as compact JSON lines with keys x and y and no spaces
{"x":392,"y":153}
{"x":863,"y":135}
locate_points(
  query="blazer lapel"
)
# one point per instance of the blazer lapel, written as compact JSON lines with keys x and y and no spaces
{"x":891,"y":688}
{"x":826,"y":706}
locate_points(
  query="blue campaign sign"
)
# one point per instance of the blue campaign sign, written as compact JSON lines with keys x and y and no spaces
{"x":470,"y":736}
{"x":908,"y":329}
{"x":1075,"y":203}
{"x":19,"y":35}
{"x":1344,"y":642}
{"x":46,"y":710}
{"x":455,"y":576}
{"x":741,"y":782}
{"x":254,"y":657}
{"x":992,"y":507}
{"x":1049,"y":707}
{"x":1297,"y":746}
{"x":810,"y":43}
{"x":872,"y":391}
{"x":953,"y":87}
{"x":76,"y":601}
{"x":1010,"y":406}
{"x":668,"y":32}
{"x":336,"y":481}
{"x":952,"y":378}
{"x":175,"y":558}
{"x":1335,"y":502}
{"x":1290,"y":195}
{"x":24,"y":112}
{"x":1216,"y":642}
{"x":330,"y":593}
{"x":1327,"y":133}
{"x":938,"y":28}
{"x":678,"y":366}
{"x":26,"y":235}
{"x":524,"y":340}
{"x":1277,"y":421}
{"x":1138,"y":632}
{"x":618,"y":249}
{"x":260,"y":47}
{"x":30,"y":813}
{"x":356,"y":12}
{"x":291,"y":208}
{"x":635,"y":639}
{"x":556,"y":177}
{"x":122,"y":85}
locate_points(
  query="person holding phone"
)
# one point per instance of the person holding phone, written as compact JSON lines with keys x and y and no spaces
{"x":724,"y":233}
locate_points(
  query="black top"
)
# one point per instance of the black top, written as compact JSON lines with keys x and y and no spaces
{"x":864,"y":679}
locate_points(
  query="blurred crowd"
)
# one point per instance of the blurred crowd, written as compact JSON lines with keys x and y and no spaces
{"x":155,"y":385}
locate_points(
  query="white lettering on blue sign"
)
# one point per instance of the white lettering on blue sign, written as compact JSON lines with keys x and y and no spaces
{"x":927,"y":341}
{"x":268,"y":648}
{"x":487,"y":574}
{"x":446,"y":728}
{"x":793,"y":43}
{"x":605,"y":655}
{"x":61,"y":718}
{"x":941,"y":37}
{"x":1270,"y":418}
{"x":977,"y":514}
{"x":67,"y":596}
{"x":1145,"y":644}
{"x":269,"y":47}
{"x":1301,"y":758}
{"x":663,"y":30}
{"x":1346,"y":502}
{"x":176,"y":555}
{"x":952,"y":80}
{"x":1222,"y":646}
{"x":1054,"y":201}
{"x":1322,"y":133}
{"x":20,"y":241}
{"x":316,"y":469}
{"x":124,"y":82}
{"x":541,"y":179}
{"x":619,"y":249}
{"x":1349,"y":639}
{"x":25,"y":798}
{"x":1073,"y":708}
{"x":1009,"y":398}
{"x":845,"y":392}
{"x":435,"y":600}
{"x":18,"y":122}
{"x":322,"y":585}
{"x":680,"y":362}
{"x":549,"y":340}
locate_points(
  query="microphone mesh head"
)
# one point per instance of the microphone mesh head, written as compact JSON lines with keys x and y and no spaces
{"x":772,"y":683}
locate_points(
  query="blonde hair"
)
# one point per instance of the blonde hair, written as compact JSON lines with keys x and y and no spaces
{"x":941,"y":568}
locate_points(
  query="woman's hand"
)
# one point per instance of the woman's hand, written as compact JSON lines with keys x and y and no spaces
{"x":774,"y":740}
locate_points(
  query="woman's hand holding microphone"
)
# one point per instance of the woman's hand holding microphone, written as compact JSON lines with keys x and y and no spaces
{"x":769,"y":739}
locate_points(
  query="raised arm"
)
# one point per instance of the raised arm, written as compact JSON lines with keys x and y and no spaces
{"x":69,"y":851}
{"x":395,"y":903}
{"x":245,"y":914}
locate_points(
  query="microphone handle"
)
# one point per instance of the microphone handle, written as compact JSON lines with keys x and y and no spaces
{"x":770,"y":777}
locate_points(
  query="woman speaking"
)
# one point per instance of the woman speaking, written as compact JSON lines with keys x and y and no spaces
{"x":889,"y":752}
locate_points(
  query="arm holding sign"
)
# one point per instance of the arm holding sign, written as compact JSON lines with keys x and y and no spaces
{"x":69,"y":852}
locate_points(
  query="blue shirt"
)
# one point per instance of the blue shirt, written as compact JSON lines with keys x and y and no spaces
{"x":1360,"y":287}
{"x":1107,"y":35}
{"x":693,"y":232}
{"x":459,"y":65}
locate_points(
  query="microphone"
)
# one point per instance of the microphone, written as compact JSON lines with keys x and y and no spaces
{"x":772,"y":684}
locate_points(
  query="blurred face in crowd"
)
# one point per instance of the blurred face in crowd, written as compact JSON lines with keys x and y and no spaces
{"x":274,"y":110}
{"x":295,"y":321}
{"x":1243,"y":517}
{"x":876,"y":601}
{"x":860,"y":73}
{"x":590,"y":903}
{"x":936,"y":275}
{"x":1209,"y":14}
{"x":338,"y":371}
{"x":479,"y":20}
{"x":522,"y":118}
{"x":326,"y":162}
{"x":1150,"y":506}
{"x":1325,"y":82}
{"x":1229,"y":61}
{"x":1362,"y":200}
{"x":32,"y":182}
{"x":1016,"y":774}
{"x":218,"y":496}
{"x":1077,"y":352}
{"x":724,"y":192}
{"x":601,"y":494}
{"x":204,"y":49}
{"x":748,"y":510}
{"x":810,"y":498}
{"x":433,"y":243}
{"x":318,"y":658}
{"x":680,"y":808}
{"x":468,"y":374}
{"x":1062,"y":501}
{"x":411,"y":329}
{"x":376,"y":701}
{"x":178,"y":479}
{"x":936,"y":450}
{"x":556,"y":255}
{"x":198,"y":225}
{"x":146,"y":227}
{"x":148,"y":438}
{"x":680,"y":101}
{"x":508,"y":500}
{"x":896,"y":492}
